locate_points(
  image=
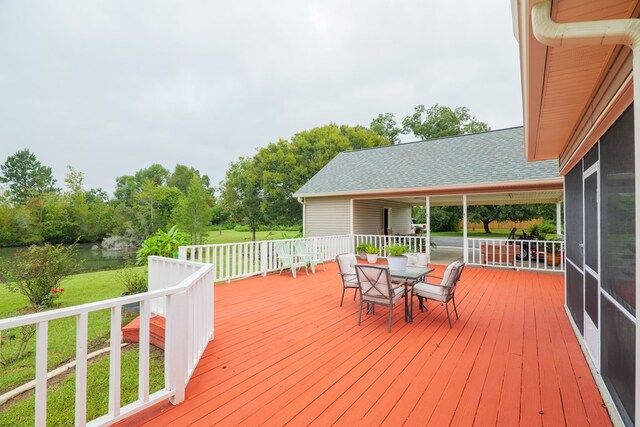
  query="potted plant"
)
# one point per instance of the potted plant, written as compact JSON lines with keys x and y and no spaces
{"x":418,"y":230}
{"x":361,"y":250}
{"x":372,"y":254}
{"x":554,"y":252}
{"x":395,"y":256}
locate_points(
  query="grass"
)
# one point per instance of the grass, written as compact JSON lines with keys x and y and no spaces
{"x":79,"y":289}
{"x":61,"y":394}
{"x":232,"y":236}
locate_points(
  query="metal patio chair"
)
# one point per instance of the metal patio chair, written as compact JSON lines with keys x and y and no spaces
{"x":443,"y":292}
{"x":347,"y":265}
{"x":376,"y":288}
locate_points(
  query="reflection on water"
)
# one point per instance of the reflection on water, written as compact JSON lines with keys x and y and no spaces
{"x":89,"y":259}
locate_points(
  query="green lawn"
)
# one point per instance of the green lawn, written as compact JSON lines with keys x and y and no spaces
{"x":79,"y":289}
{"x":232,"y":236}
{"x":61,"y":394}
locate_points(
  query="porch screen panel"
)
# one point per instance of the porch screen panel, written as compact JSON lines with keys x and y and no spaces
{"x":591,"y":222}
{"x":618,"y":212}
{"x":618,"y":358}
{"x":573,"y":213}
{"x":575,"y":296}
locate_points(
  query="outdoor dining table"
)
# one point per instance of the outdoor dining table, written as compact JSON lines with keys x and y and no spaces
{"x":409,"y":276}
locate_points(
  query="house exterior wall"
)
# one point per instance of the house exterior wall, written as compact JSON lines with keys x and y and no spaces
{"x":367,"y":216}
{"x":327,"y":216}
{"x":600,"y":252}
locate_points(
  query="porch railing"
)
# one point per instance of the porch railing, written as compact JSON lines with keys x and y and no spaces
{"x":540,"y":255}
{"x":187,"y":299}
{"x":414,"y":243}
{"x":236,"y":260}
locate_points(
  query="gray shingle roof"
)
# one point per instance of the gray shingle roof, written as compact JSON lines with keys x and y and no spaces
{"x":488,"y":157}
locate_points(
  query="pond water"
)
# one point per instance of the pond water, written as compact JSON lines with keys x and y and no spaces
{"x":89,"y":259}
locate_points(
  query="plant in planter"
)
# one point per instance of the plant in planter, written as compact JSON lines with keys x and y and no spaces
{"x":372,"y":254}
{"x":554,"y":252}
{"x":361,"y":250}
{"x":395,"y":256}
{"x":418,"y":230}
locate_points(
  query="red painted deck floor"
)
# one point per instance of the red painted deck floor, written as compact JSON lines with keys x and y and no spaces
{"x":286,"y":353}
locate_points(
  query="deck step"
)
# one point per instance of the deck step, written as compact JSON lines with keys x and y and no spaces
{"x":131,"y":332}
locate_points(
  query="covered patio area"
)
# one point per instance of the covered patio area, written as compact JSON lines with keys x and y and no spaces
{"x":286,"y":353}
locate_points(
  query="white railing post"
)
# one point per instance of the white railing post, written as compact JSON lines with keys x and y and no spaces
{"x":42,"y":345}
{"x":82,"y":323}
{"x":176,"y":346}
{"x":264,"y":258}
{"x":465,"y":242}
{"x":182,"y":253}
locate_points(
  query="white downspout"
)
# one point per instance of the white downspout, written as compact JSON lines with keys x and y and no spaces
{"x":465,"y":238}
{"x":427,"y":223}
{"x":605,"y":32}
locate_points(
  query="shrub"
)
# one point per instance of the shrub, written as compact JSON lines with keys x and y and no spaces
{"x":135,"y":282}
{"x":37,"y":272}
{"x":162,"y":243}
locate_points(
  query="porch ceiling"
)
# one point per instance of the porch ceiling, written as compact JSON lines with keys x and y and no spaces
{"x":558,"y":83}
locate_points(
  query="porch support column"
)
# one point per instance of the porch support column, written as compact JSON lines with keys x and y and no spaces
{"x":351,"y":238}
{"x":558,"y":219}
{"x":427,"y":219}
{"x":465,"y":243}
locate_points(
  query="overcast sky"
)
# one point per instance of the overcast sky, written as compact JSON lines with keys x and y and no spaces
{"x":112,"y":87}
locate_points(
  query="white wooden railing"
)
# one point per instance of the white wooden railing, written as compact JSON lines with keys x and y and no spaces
{"x":414,"y":243}
{"x":237,"y":260}
{"x":540,"y":255}
{"x":187,"y":301}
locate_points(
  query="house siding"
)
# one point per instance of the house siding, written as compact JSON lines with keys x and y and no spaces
{"x":367,"y":216}
{"x":327,"y":216}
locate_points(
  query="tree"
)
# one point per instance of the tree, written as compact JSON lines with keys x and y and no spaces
{"x":491,"y":213}
{"x":126,"y":187}
{"x":155,"y":173}
{"x":242,"y":194}
{"x":285,"y":166}
{"x":194,"y":212}
{"x":385,"y":125}
{"x":439,"y":121}
{"x":26,"y":176}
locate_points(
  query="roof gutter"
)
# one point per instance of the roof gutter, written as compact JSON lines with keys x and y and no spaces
{"x":606,"y":32}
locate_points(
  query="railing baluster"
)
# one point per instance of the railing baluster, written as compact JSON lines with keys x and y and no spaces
{"x":143,"y":352}
{"x":42,"y":349}
{"x":115,"y":361}
{"x":82,"y":325}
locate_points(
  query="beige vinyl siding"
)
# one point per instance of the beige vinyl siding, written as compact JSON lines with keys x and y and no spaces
{"x":327,"y":216}
{"x":367,"y":216}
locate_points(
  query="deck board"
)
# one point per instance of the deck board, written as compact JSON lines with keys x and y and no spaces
{"x":285,"y":353}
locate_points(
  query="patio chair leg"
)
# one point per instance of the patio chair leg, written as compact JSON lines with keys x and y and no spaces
{"x":341,"y":299}
{"x":360,"y":313}
{"x":454,"y":307}
{"x":293,"y":272}
{"x":355,"y":293}
{"x":446,"y":307}
{"x":390,"y":318}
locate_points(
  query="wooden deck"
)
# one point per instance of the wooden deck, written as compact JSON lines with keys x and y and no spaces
{"x":286,"y":353}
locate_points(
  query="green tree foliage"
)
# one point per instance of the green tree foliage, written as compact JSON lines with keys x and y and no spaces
{"x":439,"y":121}
{"x":26,"y":176}
{"x":385,"y":125}
{"x":153,"y":207}
{"x":489,"y":214}
{"x":284,"y":166}
{"x":155,"y":173}
{"x":242,"y":194}
{"x":194,"y":212}
{"x":126,"y":187}
{"x":182,"y":176}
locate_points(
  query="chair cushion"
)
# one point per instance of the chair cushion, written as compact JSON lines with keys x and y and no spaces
{"x":350,"y":282}
{"x":397,"y":294}
{"x":434,"y":292}
{"x":347,"y":263}
{"x":419,"y":259}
